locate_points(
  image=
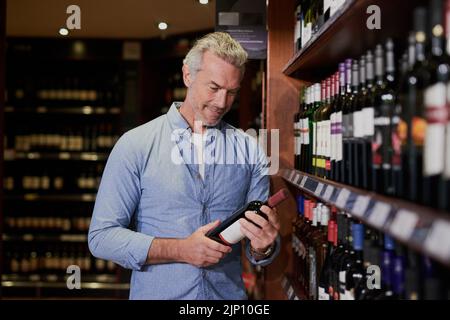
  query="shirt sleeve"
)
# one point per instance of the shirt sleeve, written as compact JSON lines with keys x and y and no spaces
{"x":269,"y":259}
{"x":119,"y":193}
{"x":259,"y":190}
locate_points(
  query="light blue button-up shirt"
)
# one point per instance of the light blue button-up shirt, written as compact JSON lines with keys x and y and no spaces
{"x":151,"y":187}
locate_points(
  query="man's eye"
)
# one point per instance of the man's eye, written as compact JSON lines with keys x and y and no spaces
{"x":214,"y":89}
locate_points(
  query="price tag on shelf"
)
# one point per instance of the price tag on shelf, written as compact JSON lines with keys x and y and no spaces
{"x":342,"y":198}
{"x":360,"y":206}
{"x":297,"y":177}
{"x":290,"y":292}
{"x":404,"y":224}
{"x":380,"y":214}
{"x":291,"y":176}
{"x":328,"y":193}
{"x":302,"y":183}
{"x":318,"y":189}
{"x":438,"y":239}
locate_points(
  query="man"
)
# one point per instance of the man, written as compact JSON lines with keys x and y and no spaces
{"x":151,"y":182}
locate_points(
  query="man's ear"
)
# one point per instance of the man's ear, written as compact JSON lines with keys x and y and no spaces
{"x":187,"y":77}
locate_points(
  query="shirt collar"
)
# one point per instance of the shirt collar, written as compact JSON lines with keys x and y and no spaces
{"x":177,"y":121}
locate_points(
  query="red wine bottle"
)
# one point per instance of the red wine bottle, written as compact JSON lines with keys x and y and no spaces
{"x":229,"y":231}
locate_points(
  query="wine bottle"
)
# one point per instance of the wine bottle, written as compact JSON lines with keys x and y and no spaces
{"x":229,"y":231}
{"x":324,"y":279}
{"x":445,"y":203}
{"x":435,"y":96}
{"x":347,"y":123}
{"x":339,"y":128}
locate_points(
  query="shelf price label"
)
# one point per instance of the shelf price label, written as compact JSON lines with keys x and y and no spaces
{"x":297,"y":177}
{"x":302,"y":183}
{"x":380,"y":214}
{"x":318,"y":189}
{"x":328,"y":193}
{"x":342,"y":198}
{"x":404,"y":224}
{"x":361,"y":205}
{"x":438,"y":239}
{"x":290,"y":292}
{"x":291,"y":176}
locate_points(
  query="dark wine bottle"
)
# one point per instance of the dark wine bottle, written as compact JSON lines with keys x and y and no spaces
{"x":435,"y":96}
{"x":229,"y":231}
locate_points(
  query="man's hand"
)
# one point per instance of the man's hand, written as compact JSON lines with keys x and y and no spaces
{"x":261,"y":238}
{"x":200,"y":250}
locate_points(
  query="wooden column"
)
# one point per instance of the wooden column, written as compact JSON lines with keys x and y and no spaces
{"x":282,"y":103}
{"x":2,"y":126}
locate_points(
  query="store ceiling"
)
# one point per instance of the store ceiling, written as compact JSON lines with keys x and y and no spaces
{"x":109,"y":18}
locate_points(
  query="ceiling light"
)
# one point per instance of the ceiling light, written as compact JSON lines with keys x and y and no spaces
{"x":162,"y":26}
{"x":63,"y":31}
{"x":203,"y":1}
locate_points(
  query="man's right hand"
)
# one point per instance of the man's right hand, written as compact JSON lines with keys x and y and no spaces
{"x":200,"y":250}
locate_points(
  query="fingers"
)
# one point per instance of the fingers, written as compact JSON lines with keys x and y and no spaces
{"x":272,"y":214}
{"x":207,"y":227}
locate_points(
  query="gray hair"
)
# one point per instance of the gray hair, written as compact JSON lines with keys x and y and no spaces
{"x":222,"y":45}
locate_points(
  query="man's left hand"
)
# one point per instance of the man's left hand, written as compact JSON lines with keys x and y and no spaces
{"x":261,"y":238}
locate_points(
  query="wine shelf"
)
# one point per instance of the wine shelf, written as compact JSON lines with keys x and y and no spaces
{"x":11,"y":155}
{"x":28,"y":237}
{"x":86,"y":197}
{"x":292,"y":292}
{"x":85,"y":110}
{"x":420,"y":228}
{"x":100,"y":281}
{"x":334,"y":41}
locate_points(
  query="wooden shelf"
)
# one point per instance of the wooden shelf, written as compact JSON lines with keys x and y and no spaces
{"x":28,"y":237}
{"x":421,"y":228}
{"x":12,"y":155}
{"x":86,"y":197}
{"x":346,"y":35}
{"x":84,"y":110}
{"x":292,"y":291}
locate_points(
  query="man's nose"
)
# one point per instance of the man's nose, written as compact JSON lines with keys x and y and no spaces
{"x":221,"y":99}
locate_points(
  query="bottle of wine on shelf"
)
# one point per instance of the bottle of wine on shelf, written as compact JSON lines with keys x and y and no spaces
{"x":435,"y":96}
{"x":229,"y":232}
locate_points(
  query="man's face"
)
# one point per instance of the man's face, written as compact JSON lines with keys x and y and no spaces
{"x":212,"y":90}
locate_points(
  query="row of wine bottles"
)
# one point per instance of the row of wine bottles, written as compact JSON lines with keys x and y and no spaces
{"x":309,"y":17}
{"x":33,"y":179}
{"x":71,"y":91}
{"x":91,"y":138}
{"x":339,"y":258}
{"x":53,"y":259}
{"x":19,"y":225}
{"x":382,"y":128}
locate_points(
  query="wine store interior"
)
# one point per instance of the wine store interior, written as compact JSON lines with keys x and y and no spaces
{"x":357,"y":91}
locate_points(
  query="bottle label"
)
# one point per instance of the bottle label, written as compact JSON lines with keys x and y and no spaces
{"x":339,"y":136}
{"x":358,"y":124}
{"x":447,"y":135}
{"x":368,"y":120}
{"x":232,"y":234}
{"x":327,"y":138}
{"x":323,"y":295}
{"x":436,"y":115}
{"x":342,"y":277}
{"x":314,"y":144}
{"x":380,"y":137}
{"x":306,"y":131}
{"x":333,"y":136}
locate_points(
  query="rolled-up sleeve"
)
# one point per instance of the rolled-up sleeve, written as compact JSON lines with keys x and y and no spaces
{"x":259,"y":190}
{"x":119,"y":193}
